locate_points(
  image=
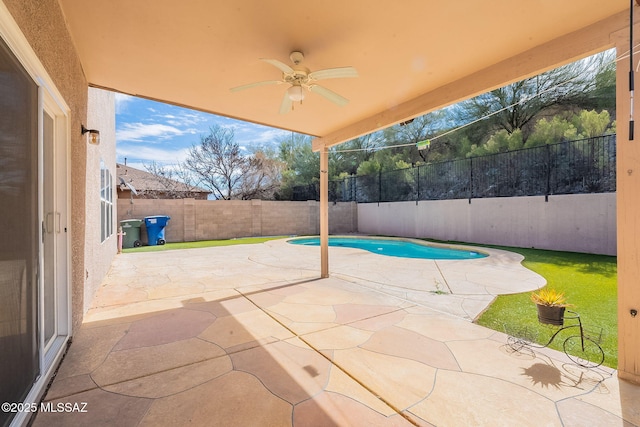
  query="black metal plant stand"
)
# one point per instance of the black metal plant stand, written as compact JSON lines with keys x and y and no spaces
{"x":583,"y":348}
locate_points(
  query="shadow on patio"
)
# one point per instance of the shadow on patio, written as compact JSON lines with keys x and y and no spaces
{"x":222,"y":362}
{"x":248,"y":336}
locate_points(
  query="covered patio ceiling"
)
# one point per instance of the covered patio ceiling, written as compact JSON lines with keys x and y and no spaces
{"x":412,"y":56}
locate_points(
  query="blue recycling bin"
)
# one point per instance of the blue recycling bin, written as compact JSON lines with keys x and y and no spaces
{"x":155,"y":228}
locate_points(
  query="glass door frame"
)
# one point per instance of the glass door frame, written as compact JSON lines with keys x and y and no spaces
{"x":51,"y":100}
{"x":60,"y":226}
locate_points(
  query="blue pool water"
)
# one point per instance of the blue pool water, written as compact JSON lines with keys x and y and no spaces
{"x":398,"y":248}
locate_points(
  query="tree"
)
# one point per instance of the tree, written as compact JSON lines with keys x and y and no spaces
{"x":263,"y":178}
{"x":592,"y":123}
{"x":535,"y":111}
{"x":174,"y":182}
{"x":219,"y":165}
{"x":416,"y":130}
{"x":347,"y":157}
{"x":603,"y":96}
{"x":369,"y":167}
{"x":499,"y":142}
{"x":585,"y":124}
{"x":302,"y":164}
{"x":552,"y":131}
{"x":515,"y":106}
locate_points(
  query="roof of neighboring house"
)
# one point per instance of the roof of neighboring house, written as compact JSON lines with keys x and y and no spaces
{"x":143,"y":181}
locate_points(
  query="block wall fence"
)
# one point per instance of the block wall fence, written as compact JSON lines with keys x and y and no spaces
{"x":193,"y":220}
{"x":575,"y":223}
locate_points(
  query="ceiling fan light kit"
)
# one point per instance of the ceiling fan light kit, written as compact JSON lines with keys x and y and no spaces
{"x":300,"y":78}
{"x":295,"y":93}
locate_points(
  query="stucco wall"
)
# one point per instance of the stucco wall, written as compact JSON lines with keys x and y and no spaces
{"x":576,"y":223}
{"x":98,"y":255}
{"x":193,"y":220}
{"x":43,"y":25}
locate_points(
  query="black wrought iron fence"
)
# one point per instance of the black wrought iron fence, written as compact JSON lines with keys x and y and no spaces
{"x":583,"y":166}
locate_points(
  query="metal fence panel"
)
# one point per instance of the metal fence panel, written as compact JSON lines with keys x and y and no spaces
{"x":584,"y":166}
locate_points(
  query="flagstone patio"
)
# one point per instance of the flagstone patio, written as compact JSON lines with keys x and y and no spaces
{"x":249,"y":335}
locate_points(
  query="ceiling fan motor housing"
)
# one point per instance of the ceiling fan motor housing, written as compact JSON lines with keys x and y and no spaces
{"x":296,"y":57}
{"x":298,"y":77}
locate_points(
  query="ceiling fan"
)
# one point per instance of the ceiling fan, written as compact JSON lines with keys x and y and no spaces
{"x":300,"y":79}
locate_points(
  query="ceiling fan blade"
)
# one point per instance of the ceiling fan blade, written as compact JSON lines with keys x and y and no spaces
{"x":286,"y":105}
{"x":329,"y":94}
{"x":280,"y":65}
{"x":250,"y":85}
{"x":334,"y":73}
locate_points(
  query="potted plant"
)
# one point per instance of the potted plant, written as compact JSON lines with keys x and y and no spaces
{"x":551,"y":305}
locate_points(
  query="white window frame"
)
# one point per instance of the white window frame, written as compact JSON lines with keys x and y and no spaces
{"x":106,"y":202}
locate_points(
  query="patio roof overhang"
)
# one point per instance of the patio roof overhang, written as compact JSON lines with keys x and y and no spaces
{"x":412,"y":56}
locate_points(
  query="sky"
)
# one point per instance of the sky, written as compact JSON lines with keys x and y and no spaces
{"x":148,"y":131}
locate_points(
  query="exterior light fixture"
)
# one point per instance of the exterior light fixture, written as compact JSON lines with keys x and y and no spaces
{"x":296,"y":93}
{"x":93,"y":137}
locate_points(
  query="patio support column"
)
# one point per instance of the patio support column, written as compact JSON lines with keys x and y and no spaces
{"x":628,"y":212}
{"x":324,"y":212}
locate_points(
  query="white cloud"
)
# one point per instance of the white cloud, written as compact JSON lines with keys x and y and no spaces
{"x":184,"y":118}
{"x":270,"y":135}
{"x":163,"y":133}
{"x":140,"y":131}
{"x":144,"y":154}
{"x":251,"y":134}
{"x":121,"y":102}
{"x":235,"y":127}
{"x":194,"y":119}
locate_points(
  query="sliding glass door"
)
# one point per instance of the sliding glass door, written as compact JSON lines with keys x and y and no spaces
{"x":19,"y":222}
{"x":34,"y":284}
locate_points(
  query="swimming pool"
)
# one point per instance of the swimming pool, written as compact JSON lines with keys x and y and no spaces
{"x":392,"y":247}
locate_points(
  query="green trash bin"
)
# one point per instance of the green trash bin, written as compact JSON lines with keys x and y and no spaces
{"x":131,"y":230}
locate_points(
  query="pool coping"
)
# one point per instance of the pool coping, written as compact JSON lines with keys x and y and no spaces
{"x":461,"y":287}
{"x":426,"y":243}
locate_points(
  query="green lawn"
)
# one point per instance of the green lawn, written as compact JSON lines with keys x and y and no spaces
{"x":203,"y":244}
{"x":588,"y":281}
